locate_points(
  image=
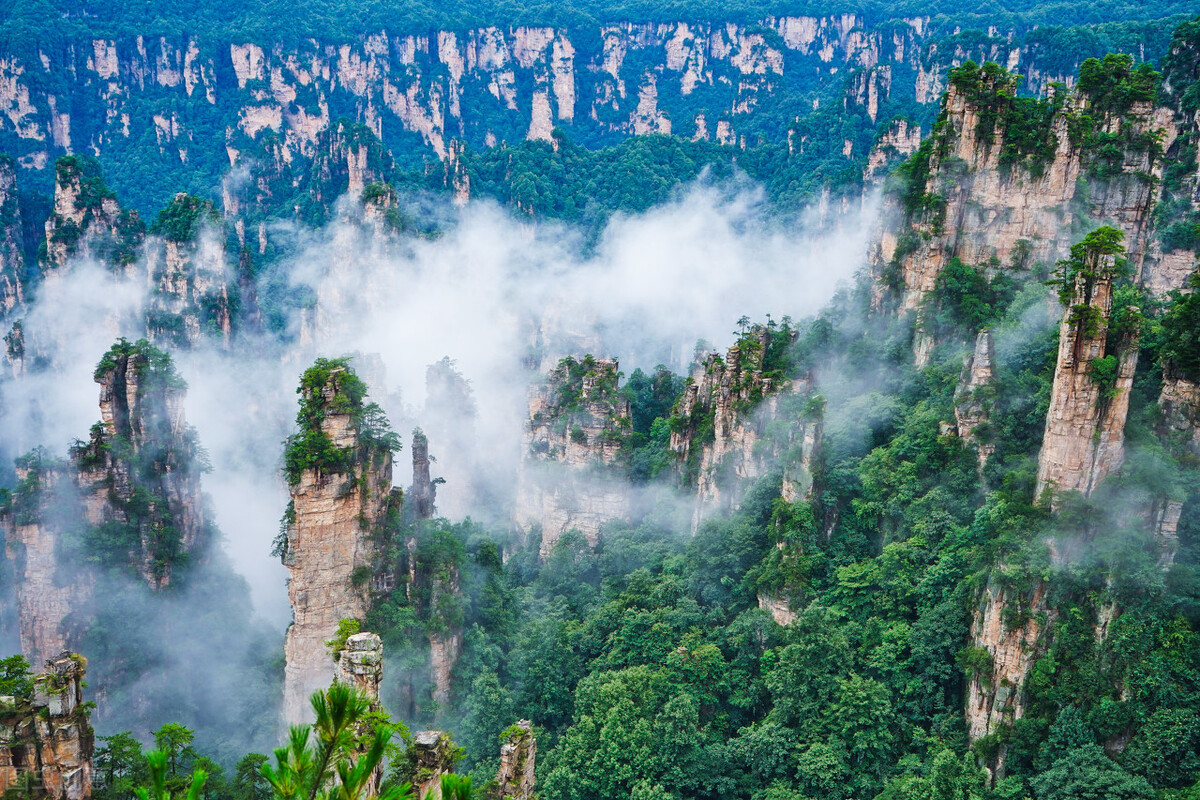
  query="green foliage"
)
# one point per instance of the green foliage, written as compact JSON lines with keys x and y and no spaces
{"x":15,"y":678}
{"x":328,"y":387}
{"x":1113,"y":85}
{"x":1180,"y":327}
{"x":324,"y":761}
{"x":345,"y":629}
{"x":965,"y":300}
{"x":183,"y":220}
{"x":158,"y":788}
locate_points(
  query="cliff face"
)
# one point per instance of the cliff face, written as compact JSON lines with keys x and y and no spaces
{"x":1006,"y":633}
{"x":128,"y":498}
{"x":577,"y":423}
{"x":360,"y":664}
{"x":186,"y":267}
{"x":973,"y":398}
{"x":721,"y":437}
{"x":12,"y":259}
{"x":484,"y":86}
{"x":139,"y":469}
{"x":982,"y":193}
{"x":515,"y":778}
{"x":333,"y":508}
{"x":44,"y":513}
{"x":1085,"y":425}
{"x":49,"y":738}
{"x":87,"y":221}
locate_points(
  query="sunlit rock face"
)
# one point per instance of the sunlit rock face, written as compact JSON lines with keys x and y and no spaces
{"x":327,"y":541}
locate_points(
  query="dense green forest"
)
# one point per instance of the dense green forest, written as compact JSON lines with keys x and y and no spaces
{"x":648,"y":663}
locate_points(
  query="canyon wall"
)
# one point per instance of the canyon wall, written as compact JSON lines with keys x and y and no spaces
{"x":128,"y":498}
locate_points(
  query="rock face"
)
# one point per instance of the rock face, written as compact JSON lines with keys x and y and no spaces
{"x":360,"y":664}
{"x":515,"y":778}
{"x":977,"y":199}
{"x":577,"y":424}
{"x":130,"y":496}
{"x":86,"y":221}
{"x":973,"y":397}
{"x":423,"y":492}
{"x":143,"y":448}
{"x":12,"y":259}
{"x":1005,"y":630}
{"x":484,"y":86}
{"x":45,"y":512}
{"x":327,"y":546}
{"x":1085,"y":425}
{"x":187,"y":270}
{"x":726,"y":408}
{"x":900,"y":140}
{"x":434,"y":758}
{"x":49,"y":738}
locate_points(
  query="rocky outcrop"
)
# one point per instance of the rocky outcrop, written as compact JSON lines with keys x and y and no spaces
{"x":1089,"y":399}
{"x":977,"y":195}
{"x":12,"y":258}
{"x":48,"y":739}
{"x":360,"y":664}
{"x":573,"y":441}
{"x":128,"y":499}
{"x":515,"y":778}
{"x":187,"y":270}
{"x":974,"y":396}
{"x":423,"y":492}
{"x":341,"y":488}
{"x":44,"y":513}
{"x":434,"y":757}
{"x":1005,"y":631}
{"x":900,"y":140}
{"x":720,"y":434}
{"x":483,"y":86}
{"x":87,"y":221}
{"x":139,"y":471}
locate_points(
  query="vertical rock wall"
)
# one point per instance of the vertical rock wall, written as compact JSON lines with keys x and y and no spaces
{"x":733,"y":397}
{"x":515,"y":778}
{"x":577,"y":421}
{"x":12,"y":259}
{"x":49,"y":739}
{"x":1085,"y":426}
{"x":327,"y":542}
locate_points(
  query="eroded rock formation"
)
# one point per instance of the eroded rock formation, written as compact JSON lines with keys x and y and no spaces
{"x":12,"y":259}
{"x":87,"y":221}
{"x":434,"y":758}
{"x":973,"y":397}
{"x":728,"y":404}
{"x":577,"y":423}
{"x":48,"y":739}
{"x":129,"y":496}
{"x":1006,"y":632}
{"x":515,"y":778}
{"x":1089,"y":399}
{"x":978,"y":198}
{"x":328,"y":550}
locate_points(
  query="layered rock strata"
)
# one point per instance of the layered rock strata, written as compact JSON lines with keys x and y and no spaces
{"x":973,"y":398}
{"x":1085,"y":424}
{"x":327,"y":542}
{"x":12,"y":258}
{"x":726,"y":409}
{"x":515,"y":778}
{"x":573,"y":441}
{"x":48,"y":740}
